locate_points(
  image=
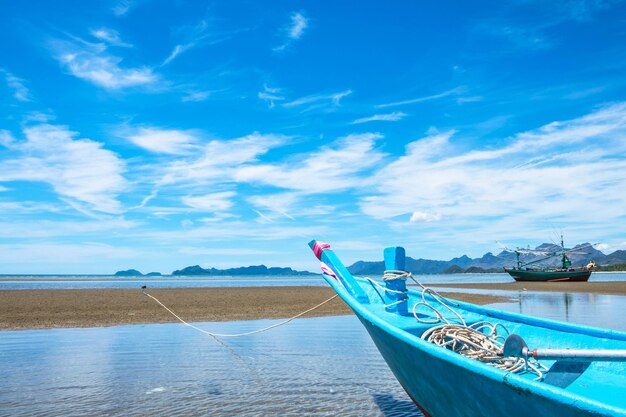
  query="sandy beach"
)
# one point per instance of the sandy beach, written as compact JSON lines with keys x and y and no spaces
{"x":40,"y":309}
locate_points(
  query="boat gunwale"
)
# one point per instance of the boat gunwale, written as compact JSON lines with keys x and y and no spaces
{"x":515,"y":381}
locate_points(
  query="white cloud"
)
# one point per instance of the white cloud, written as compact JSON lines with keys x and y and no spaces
{"x":290,"y":205}
{"x":37,"y":228}
{"x":331,"y":168}
{"x":6,"y":138}
{"x":270,"y":95}
{"x":192,"y":36}
{"x":561,"y":173}
{"x":110,"y":36}
{"x":319,"y":100}
{"x":167,"y":141}
{"x":219,"y":159}
{"x":196,"y":96}
{"x":448,"y":93}
{"x":189,"y":250}
{"x":422,"y":216}
{"x":221,"y":201}
{"x":79,"y":169}
{"x":20,"y":92}
{"x":178,"y":49}
{"x":298,"y":24}
{"x":388,"y":117}
{"x":48,"y":257}
{"x":609,"y":248}
{"x":37,"y":116}
{"x":122,"y":7}
{"x":252,"y":231}
{"x":277,"y":203}
{"x":92,"y":63}
{"x":147,"y":199}
{"x":470,"y":99}
{"x":294,"y":31}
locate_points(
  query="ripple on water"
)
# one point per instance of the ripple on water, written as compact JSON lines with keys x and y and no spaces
{"x":318,"y":367}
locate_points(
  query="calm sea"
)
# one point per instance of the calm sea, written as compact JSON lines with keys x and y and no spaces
{"x":33,"y":282}
{"x":311,"y":367}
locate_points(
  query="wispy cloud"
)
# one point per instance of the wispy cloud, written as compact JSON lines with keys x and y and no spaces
{"x":52,"y":257}
{"x":122,"y":7}
{"x":218,"y":159}
{"x":110,"y":36}
{"x":298,"y":23}
{"x":319,"y":100}
{"x":20,"y":92}
{"x":422,"y":216}
{"x":281,"y":204}
{"x":6,"y":138}
{"x":166,"y":141}
{"x":270,"y":95}
{"x":77,"y":169}
{"x":37,"y":116}
{"x":587,"y":92}
{"x":192,"y":36}
{"x":237,"y":252}
{"x":196,"y":96}
{"x":563,"y":172}
{"x":213,"y":202}
{"x":92,"y":62}
{"x":178,"y":49}
{"x":469,"y":99}
{"x":388,"y":117}
{"x":535,"y":35}
{"x":339,"y":166}
{"x":522,"y":37}
{"x":447,"y":93}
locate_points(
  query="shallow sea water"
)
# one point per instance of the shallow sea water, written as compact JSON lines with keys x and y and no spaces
{"x":324,"y":366}
{"x":41,"y":282}
{"x":311,"y":367}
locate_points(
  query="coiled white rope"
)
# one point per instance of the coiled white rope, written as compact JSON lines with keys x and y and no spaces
{"x":214,"y":335}
{"x":480,"y":341}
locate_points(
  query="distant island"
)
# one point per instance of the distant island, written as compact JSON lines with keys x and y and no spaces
{"x":135,"y":273}
{"x":244,"y":270}
{"x":198,"y":270}
{"x":490,"y":263}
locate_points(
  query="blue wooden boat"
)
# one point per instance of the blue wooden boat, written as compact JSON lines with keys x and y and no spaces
{"x":580,"y":370}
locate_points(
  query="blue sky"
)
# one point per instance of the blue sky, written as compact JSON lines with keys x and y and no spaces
{"x":161,"y":134}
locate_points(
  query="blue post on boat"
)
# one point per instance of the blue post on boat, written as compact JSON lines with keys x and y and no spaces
{"x":395,"y":261}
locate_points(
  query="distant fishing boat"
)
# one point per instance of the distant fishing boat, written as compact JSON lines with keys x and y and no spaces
{"x":459,"y":359}
{"x":523,"y":271}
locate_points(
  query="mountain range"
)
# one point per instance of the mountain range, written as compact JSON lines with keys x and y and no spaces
{"x":244,"y":270}
{"x":493,"y":263}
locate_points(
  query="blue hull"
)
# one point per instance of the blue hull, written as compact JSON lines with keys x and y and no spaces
{"x":444,"y":383}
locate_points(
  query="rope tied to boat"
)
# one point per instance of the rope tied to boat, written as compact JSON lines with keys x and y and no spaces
{"x":392,"y":275}
{"x":480,"y":341}
{"x":264,"y":329}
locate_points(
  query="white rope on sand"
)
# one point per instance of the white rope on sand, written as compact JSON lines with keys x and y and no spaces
{"x":239,"y":334}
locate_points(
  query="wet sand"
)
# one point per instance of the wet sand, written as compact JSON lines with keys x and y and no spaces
{"x":41,"y":309}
